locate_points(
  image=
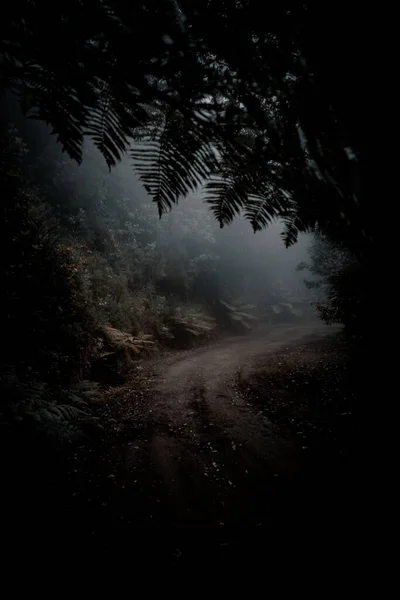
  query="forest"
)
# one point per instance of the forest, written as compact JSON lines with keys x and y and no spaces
{"x":188,"y":250}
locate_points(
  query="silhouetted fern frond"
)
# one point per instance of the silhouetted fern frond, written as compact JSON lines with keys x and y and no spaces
{"x":113,"y":121}
{"x":226,"y":197}
{"x":180,"y":79}
{"x":173,"y":160}
{"x":246,"y":185}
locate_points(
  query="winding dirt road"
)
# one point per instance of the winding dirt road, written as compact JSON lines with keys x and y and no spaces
{"x":187,"y":462}
{"x":220,"y":460}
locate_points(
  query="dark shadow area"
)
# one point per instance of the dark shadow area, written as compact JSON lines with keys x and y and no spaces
{"x":190,"y":295}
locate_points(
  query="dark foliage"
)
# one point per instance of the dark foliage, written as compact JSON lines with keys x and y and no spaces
{"x":342,"y":286}
{"x":45,"y":324}
{"x":45,"y":321}
{"x":266,"y":104}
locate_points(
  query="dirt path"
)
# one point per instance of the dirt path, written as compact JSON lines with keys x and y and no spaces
{"x":211,"y":447}
{"x":221,"y":461}
{"x":226,"y":449}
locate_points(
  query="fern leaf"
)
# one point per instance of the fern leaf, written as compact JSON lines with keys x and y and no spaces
{"x":173,"y":161}
{"x":113,"y":120}
{"x":45,"y":97}
{"x":225,"y":197}
{"x":265,"y":206}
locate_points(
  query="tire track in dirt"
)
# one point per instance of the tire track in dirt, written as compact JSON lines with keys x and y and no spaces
{"x":221,"y":461}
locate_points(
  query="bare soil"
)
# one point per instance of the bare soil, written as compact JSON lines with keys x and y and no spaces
{"x":218,"y":449}
{"x":246,"y":436}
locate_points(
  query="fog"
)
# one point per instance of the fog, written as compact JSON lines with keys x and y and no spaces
{"x":182,"y":260}
{"x":249,"y":264}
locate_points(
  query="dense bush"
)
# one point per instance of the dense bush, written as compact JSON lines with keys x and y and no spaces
{"x":46,"y":324}
{"x":340,"y":285}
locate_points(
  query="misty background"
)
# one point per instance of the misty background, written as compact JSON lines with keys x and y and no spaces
{"x":122,"y":271}
{"x":176,"y":262}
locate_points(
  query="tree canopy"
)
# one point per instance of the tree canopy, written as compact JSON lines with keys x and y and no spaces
{"x":258,"y":105}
